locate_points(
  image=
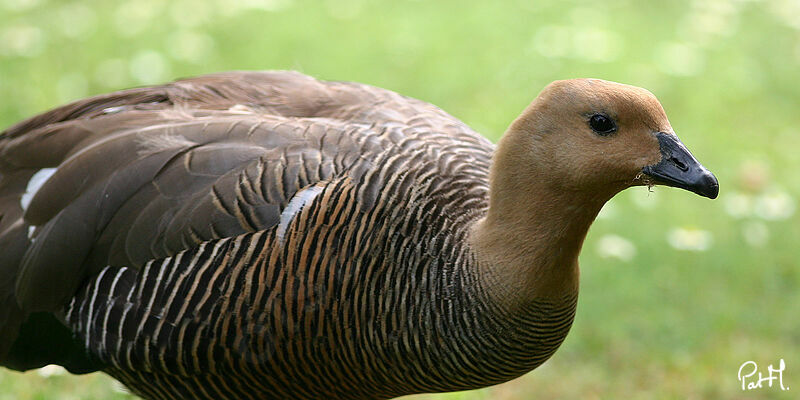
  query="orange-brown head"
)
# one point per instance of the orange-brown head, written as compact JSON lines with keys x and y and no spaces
{"x":591,"y":135}
{"x":579,"y":143}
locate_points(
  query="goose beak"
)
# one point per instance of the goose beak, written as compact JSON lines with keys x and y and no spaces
{"x":678,"y":168}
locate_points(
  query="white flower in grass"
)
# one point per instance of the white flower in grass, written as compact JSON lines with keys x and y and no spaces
{"x":51,"y":370}
{"x":738,"y":205}
{"x":613,"y":246}
{"x":21,"y":40}
{"x":756,"y":233}
{"x":689,"y":239}
{"x":774,"y":205}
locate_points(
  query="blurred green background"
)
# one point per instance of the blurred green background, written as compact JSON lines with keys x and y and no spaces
{"x":677,"y":291}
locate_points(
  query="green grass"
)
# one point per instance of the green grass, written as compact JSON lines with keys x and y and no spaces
{"x":655,"y":322}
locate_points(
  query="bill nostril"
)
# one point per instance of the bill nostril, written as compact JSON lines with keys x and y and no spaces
{"x":681,"y":166}
{"x":678,"y":168}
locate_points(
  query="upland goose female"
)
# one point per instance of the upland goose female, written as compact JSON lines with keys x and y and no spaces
{"x":255,"y":235}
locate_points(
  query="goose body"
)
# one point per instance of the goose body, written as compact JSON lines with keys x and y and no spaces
{"x":269,"y":235}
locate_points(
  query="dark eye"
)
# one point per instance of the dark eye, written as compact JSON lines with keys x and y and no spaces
{"x":602,"y":124}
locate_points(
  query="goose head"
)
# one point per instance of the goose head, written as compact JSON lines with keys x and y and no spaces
{"x":599,"y":137}
{"x":578,"y":144}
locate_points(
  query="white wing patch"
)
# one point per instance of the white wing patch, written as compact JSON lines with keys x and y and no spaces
{"x":37,"y":180}
{"x":296,"y":204}
{"x":241,"y":109}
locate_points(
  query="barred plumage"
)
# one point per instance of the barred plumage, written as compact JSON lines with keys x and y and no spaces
{"x":268,"y":235}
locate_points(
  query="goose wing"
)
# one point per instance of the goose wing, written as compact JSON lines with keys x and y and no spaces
{"x":145,"y":173}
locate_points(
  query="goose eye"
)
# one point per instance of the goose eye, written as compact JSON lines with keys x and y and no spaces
{"x":602,"y":124}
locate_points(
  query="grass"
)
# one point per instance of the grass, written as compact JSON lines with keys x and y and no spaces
{"x":677,"y":291}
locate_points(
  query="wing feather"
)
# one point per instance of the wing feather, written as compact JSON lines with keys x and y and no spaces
{"x":145,"y":173}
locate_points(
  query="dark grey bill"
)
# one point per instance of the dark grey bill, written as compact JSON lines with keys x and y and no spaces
{"x":678,"y":168}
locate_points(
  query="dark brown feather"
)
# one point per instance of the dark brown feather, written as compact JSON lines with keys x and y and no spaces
{"x":148,"y":172}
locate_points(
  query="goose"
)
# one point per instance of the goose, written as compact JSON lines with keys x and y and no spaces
{"x":260,"y":235}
